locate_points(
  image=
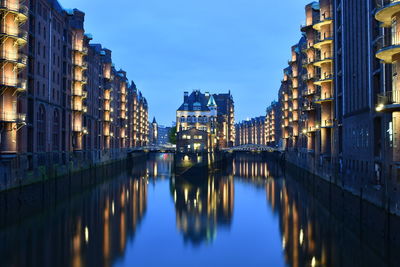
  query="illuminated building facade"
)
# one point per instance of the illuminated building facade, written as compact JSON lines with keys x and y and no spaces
{"x":338,"y":96}
{"x":252,"y":131}
{"x":63,"y":99}
{"x":209,"y":113}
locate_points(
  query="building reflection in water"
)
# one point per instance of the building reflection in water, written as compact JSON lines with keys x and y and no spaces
{"x":160,"y":166}
{"x":202,"y":205}
{"x":315,"y":233}
{"x":90,"y":230}
{"x":317,"y":226}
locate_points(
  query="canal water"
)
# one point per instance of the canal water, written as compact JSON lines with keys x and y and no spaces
{"x":249,"y":212}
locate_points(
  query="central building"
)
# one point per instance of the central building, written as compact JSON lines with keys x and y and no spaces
{"x":205,"y":122}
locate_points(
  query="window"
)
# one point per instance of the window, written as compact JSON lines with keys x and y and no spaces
{"x":41,"y":129}
{"x":395,"y":38}
{"x":56,"y":129}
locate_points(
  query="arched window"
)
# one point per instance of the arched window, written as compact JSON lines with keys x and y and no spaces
{"x":41,"y":129}
{"x":56,"y":130}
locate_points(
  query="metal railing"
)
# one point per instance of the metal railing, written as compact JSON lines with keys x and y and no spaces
{"x":13,"y":82}
{"x":12,"y":117}
{"x":382,"y":3}
{"x":322,"y":36}
{"x":8,"y":55}
{"x":324,"y":76}
{"x":323,"y":56}
{"x":389,"y":97}
{"x":327,"y":123}
{"x":324,"y":96}
{"x":308,"y":106}
{"x":324,"y":16}
{"x":14,"y":6}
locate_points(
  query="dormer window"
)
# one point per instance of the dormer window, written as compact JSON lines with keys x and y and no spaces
{"x":196,"y":106}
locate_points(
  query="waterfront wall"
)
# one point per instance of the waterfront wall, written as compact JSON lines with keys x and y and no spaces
{"x":361,"y":183}
{"x":24,"y":170}
{"x":29,"y":200}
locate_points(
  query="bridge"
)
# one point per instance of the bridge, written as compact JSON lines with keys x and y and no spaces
{"x":172,"y":149}
{"x":250,"y":148}
{"x":155,"y":149}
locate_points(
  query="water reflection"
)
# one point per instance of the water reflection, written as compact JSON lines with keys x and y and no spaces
{"x":202,"y":205}
{"x":315,"y":225}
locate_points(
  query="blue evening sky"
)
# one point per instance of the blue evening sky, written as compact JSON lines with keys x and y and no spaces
{"x":171,"y":46}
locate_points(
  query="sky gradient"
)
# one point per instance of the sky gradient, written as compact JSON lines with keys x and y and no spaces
{"x":168,"y":47}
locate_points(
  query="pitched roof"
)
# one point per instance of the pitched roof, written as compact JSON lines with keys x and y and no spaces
{"x":195,"y":99}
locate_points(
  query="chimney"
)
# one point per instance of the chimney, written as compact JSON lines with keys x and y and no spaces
{"x":185,"y":97}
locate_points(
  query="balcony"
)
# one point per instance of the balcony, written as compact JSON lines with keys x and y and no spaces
{"x":22,"y":61}
{"x":308,"y":92}
{"x":387,"y":52}
{"x":12,"y":117}
{"x":389,"y":101}
{"x":325,"y":97}
{"x":323,"y":38}
{"x":305,"y":27}
{"x":324,"y":78}
{"x":19,"y":84}
{"x":324,"y":58}
{"x":308,"y":77}
{"x":307,"y":61}
{"x":16,"y":8}
{"x":82,"y":80}
{"x":81,"y":64}
{"x":312,"y":129}
{"x":308,"y":107}
{"x":80,"y":49}
{"x":325,"y":19}
{"x":15,"y":58}
{"x":307,"y":46}
{"x":388,"y":8}
{"x":21,"y":36}
{"x":77,"y":106}
{"x":328,"y":123}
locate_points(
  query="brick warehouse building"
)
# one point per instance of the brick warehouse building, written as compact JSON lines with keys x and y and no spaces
{"x":62,"y":98}
{"x":339,"y":97}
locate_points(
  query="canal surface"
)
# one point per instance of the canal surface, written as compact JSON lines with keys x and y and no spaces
{"x":251,"y":213}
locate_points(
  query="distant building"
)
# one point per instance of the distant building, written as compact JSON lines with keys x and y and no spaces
{"x":163,"y":134}
{"x":251,"y":132}
{"x":211,"y":114}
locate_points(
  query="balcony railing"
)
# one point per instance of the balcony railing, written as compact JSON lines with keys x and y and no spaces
{"x":324,"y":56}
{"x":81,"y":49}
{"x":324,"y":96}
{"x":324,"y":16}
{"x":12,"y":117}
{"x":389,"y":97}
{"x":14,"y":6}
{"x":324,"y":76}
{"x":327,"y":123}
{"x":383,"y":3}
{"x":13,"y":82}
{"x":322,"y":36}
{"x":15,"y":32}
{"x":308,"y":106}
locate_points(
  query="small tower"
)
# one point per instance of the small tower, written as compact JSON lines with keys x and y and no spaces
{"x":154,"y":132}
{"x":212,"y":105}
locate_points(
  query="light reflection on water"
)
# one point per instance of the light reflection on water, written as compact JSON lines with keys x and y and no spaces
{"x":247,"y":215}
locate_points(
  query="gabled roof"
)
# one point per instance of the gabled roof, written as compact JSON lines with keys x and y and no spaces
{"x":196,"y":98}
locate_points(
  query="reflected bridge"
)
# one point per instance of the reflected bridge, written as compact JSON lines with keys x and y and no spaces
{"x":154,"y":149}
{"x":251,"y":148}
